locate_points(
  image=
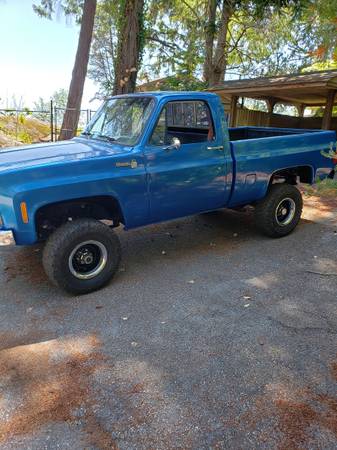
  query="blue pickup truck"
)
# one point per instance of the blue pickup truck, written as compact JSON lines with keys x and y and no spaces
{"x":146,"y":158}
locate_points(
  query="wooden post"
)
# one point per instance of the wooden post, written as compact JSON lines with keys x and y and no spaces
{"x":300,"y":109}
{"x":233,"y":112}
{"x":326,"y":122}
{"x":271,"y":102}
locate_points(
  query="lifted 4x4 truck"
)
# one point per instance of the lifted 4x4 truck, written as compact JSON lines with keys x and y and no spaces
{"x":147,"y":158}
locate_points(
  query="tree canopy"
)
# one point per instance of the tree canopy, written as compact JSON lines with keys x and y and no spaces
{"x":197,"y":43}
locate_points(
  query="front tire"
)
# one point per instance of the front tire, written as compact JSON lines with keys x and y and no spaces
{"x":81,"y":256}
{"x":280,"y":211}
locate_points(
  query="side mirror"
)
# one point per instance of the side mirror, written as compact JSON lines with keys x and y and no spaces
{"x":175,"y":144}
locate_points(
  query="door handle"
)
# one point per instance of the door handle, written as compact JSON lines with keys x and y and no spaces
{"x":216,"y":147}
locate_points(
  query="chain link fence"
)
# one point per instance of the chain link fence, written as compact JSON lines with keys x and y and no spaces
{"x":29,"y":126}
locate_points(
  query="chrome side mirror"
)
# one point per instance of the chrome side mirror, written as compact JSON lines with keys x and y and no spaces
{"x":175,"y":144}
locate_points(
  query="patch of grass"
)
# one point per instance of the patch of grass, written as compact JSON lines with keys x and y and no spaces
{"x":324,"y":188}
{"x":24,"y":137}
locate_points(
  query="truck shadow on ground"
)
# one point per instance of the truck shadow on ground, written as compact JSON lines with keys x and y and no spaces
{"x":218,"y":231}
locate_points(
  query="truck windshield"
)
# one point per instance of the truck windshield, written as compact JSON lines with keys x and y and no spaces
{"x":121,"y":120}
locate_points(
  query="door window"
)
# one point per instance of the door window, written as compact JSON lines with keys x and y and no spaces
{"x":189,"y":121}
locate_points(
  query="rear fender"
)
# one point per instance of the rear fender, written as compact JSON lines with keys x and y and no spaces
{"x":305,"y":174}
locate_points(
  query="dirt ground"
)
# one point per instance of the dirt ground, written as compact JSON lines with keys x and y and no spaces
{"x":209,"y":337}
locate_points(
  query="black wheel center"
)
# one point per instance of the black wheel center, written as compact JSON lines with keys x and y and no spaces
{"x":86,"y":258}
{"x":283,"y":211}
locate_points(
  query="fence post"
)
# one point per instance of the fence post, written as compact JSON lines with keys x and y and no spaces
{"x":55,"y":123}
{"x":51,"y":121}
{"x":17,"y":125}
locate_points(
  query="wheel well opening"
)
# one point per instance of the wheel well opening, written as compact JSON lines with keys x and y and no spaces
{"x":52,"y":216}
{"x":292,"y":175}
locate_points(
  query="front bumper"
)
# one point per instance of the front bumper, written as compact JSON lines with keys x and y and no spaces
{"x":6,"y":238}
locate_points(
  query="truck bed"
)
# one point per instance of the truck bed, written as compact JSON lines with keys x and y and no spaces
{"x":259,"y":152}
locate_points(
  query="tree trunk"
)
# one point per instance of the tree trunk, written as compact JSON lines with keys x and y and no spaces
{"x":209,"y":38}
{"x":216,"y":58}
{"x":72,"y":113}
{"x":130,"y":46}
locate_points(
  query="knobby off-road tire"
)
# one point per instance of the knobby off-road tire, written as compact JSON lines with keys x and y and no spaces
{"x":81,"y":256}
{"x":280,"y":211}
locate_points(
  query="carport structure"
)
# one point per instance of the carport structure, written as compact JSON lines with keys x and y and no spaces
{"x":300,"y":90}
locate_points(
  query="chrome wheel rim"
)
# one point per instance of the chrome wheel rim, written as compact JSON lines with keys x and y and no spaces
{"x":285,"y":211}
{"x":88,"y":259}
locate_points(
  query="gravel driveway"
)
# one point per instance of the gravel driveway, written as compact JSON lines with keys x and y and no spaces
{"x":210,"y":336}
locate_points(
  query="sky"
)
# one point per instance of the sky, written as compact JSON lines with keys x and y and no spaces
{"x":36,"y":54}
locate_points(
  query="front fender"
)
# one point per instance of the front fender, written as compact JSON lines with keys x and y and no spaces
{"x":26,"y":233}
{"x":128,"y":190}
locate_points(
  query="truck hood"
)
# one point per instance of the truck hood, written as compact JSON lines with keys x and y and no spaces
{"x":76,"y":149}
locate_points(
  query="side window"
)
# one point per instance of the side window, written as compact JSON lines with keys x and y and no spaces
{"x":159,"y":133}
{"x":189,"y":121}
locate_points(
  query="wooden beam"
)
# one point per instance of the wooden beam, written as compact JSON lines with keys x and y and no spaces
{"x":326,"y":122}
{"x":244,"y":90}
{"x":233,"y":111}
{"x":314,"y":99}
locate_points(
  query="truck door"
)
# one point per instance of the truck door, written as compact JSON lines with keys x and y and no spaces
{"x":185,"y":160}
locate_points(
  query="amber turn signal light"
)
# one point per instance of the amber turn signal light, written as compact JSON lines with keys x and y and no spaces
{"x":24,"y":212}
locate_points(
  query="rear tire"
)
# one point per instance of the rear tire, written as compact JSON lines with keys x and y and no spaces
{"x":280,"y":211}
{"x":81,"y":256}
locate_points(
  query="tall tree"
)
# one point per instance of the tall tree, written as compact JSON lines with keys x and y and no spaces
{"x":130,"y":45}
{"x":117,"y":46}
{"x":209,"y":38}
{"x":72,"y":113}
{"x":47,"y":8}
{"x":104,"y":47}
{"x":223,"y":17}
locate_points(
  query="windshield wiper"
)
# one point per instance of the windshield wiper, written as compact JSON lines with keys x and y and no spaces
{"x":98,"y":136}
{"x":104,"y":136}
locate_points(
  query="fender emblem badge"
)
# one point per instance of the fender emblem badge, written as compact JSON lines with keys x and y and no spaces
{"x":133,"y":164}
